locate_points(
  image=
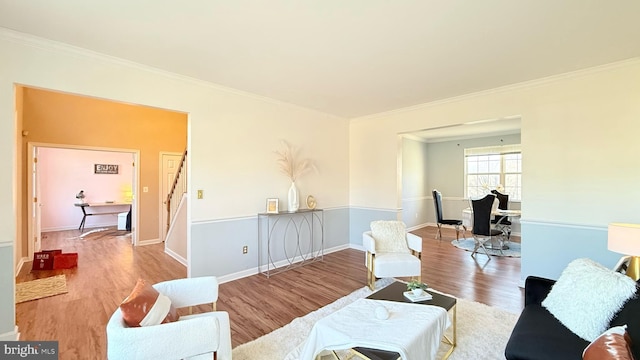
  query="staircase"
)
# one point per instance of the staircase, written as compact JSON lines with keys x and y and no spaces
{"x":176,"y":239}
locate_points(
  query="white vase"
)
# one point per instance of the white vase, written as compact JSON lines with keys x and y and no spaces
{"x":292,"y":197}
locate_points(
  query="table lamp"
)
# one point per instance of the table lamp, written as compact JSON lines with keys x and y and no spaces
{"x":625,"y":239}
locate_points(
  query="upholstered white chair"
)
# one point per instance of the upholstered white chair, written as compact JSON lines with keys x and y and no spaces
{"x":391,"y":252}
{"x":199,"y":336}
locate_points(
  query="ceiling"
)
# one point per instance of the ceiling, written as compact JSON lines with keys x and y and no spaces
{"x":347,"y":58}
{"x":473,"y":129}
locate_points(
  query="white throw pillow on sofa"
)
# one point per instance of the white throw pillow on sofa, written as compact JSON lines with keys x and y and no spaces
{"x":587,"y":296}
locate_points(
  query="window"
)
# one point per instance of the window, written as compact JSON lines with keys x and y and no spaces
{"x":494,"y":167}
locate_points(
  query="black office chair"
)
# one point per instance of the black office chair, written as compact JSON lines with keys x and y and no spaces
{"x":437,"y":202}
{"x":482,"y":230}
{"x":502,"y":222}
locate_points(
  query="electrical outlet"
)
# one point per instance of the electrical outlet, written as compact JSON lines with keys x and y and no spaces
{"x":245,"y":249}
{"x":145,"y":189}
{"x":200,"y":194}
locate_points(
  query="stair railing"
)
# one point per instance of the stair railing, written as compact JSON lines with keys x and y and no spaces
{"x":178,"y":188}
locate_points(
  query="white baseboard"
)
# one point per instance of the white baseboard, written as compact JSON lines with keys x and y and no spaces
{"x":175,"y":255}
{"x":11,"y":335}
{"x":20,"y":264}
{"x":60,"y":228}
{"x":356,"y":247}
{"x":253,"y":271}
{"x":149,"y":242}
{"x":75,"y":227}
{"x":420,"y":226}
{"x":237,"y":275}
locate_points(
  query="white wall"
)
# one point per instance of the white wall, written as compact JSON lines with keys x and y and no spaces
{"x":416,"y":204}
{"x":580,"y":167}
{"x":175,"y":242}
{"x":232,"y":139}
{"x":64,"y":172}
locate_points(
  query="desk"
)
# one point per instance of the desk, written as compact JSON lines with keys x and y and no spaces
{"x":467,"y":220}
{"x":84,"y":206}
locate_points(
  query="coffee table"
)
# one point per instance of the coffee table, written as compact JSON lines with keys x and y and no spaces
{"x":394,"y":292}
{"x":411,"y":330}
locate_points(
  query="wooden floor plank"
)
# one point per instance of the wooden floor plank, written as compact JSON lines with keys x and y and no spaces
{"x":108,"y":267}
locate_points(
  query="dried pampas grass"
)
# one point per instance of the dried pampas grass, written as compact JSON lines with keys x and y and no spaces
{"x":288,"y":164}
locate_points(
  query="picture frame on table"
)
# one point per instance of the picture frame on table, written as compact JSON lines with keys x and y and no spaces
{"x":272,"y":206}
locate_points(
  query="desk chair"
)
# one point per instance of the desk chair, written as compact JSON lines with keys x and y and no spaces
{"x":437,"y":202}
{"x":482,"y":230}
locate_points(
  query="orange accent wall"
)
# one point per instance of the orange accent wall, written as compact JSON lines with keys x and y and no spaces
{"x":59,"y":118}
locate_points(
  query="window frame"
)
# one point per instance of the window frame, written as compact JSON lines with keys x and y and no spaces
{"x":501,"y":151}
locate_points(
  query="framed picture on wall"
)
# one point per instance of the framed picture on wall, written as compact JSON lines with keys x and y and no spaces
{"x":105,"y":169}
{"x":272,"y":206}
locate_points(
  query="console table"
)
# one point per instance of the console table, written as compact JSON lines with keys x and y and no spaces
{"x":289,"y":239}
{"x":83,"y":206}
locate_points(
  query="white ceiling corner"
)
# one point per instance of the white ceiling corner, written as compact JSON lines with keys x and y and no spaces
{"x":346,"y":58}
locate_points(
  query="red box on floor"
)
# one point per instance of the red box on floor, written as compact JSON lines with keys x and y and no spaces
{"x":65,"y":261}
{"x":43,"y":260}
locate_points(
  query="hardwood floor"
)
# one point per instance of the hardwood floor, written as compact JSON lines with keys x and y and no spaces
{"x":108,"y":267}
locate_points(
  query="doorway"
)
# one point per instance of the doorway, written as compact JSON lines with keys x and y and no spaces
{"x":169,"y":167}
{"x":69,"y":169}
{"x":434,"y":159}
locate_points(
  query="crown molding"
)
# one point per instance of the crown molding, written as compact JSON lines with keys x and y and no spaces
{"x":506,"y":88}
{"x":56,"y":46}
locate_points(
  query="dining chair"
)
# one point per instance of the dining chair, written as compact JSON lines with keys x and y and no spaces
{"x":502,"y":222}
{"x":437,"y":202}
{"x":482,"y":230}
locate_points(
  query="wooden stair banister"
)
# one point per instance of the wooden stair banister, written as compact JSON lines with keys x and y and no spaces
{"x":178,"y":186}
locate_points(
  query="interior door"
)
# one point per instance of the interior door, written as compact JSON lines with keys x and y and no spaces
{"x":169,"y":168}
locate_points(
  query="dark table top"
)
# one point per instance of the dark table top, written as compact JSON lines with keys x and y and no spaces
{"x":394,"y":292}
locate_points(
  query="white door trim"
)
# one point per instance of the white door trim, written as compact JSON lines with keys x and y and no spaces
{"x":135,"y":186}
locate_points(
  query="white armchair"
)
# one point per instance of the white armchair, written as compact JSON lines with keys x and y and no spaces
{"x":392,"y":264}
{"x":198,"y":336}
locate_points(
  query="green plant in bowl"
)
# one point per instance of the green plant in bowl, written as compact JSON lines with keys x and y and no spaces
{"x":416,"y":287}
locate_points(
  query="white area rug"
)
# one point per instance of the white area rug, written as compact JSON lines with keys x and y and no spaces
{"x":468,"y":244}
{"x":482,"y":331}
